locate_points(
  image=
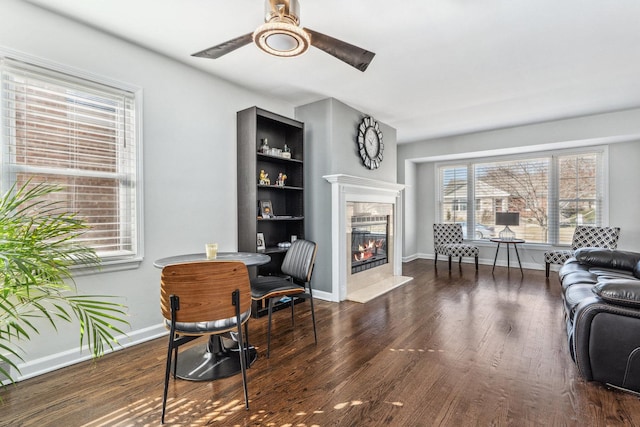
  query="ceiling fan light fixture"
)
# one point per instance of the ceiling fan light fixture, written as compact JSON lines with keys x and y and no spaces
{"x":281,"y":39}
{"x":281,"y":35}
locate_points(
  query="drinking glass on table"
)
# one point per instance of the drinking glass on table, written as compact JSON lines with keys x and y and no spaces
{"x":212,"y":250}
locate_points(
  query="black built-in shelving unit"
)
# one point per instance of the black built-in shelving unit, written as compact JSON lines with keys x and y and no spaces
{"x":255,"y":125}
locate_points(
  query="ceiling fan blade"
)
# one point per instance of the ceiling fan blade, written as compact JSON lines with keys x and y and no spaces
{"x":226,"y":47}
{"x":352,"y":55}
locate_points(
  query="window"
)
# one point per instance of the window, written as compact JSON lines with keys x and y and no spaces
{"x":454,"y":183}
{"x":459,"y":205}
{"x":79,"y":135}
{"x":515,"y":186}
{"x":578,"y":198}
{"x":553,"y":193}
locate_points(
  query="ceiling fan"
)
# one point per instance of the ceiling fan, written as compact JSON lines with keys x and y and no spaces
{"x":281,"y":35}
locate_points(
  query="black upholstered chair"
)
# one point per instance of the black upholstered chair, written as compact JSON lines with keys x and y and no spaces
{"x":298,"y":266}
{"x":584,"y":236}
{"x":447,"y":241}
{"x":202,"y":299}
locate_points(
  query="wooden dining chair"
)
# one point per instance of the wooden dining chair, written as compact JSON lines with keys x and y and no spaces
{"x":297,"y":266}
{"x":203,"y":299}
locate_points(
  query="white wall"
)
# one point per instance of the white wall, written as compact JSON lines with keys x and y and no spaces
{"x":410,"y":221}
{"x":619,"y":130}
{"x":189,"y":129}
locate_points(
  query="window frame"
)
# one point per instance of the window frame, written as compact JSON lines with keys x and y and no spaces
{"x":552,"y":197}
{"x":112,"y":262}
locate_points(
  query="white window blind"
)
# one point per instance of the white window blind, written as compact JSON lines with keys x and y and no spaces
{"x":553,"y":192}
{"x":453,"y":194}
{"x":515,"y":186}
{"x":579,"y":189}
{"x":81,"y":136}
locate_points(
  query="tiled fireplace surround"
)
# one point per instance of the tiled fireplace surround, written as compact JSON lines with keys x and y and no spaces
{"x":360,"y":286}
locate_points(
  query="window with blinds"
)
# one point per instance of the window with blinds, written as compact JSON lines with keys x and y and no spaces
{"x":81,"y":136}
{"x":578,"y":200}
{"x":453,"y":201}
{"x":552,"y":193}
{"x":515,"y":186}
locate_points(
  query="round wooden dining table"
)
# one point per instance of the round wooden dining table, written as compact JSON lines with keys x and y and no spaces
{"x":249,"y":258}
{"x":220,"y":357}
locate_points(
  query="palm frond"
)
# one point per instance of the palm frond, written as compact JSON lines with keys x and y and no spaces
{"x":38,"y":249}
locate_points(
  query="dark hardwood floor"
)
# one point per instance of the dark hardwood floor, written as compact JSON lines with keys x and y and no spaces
{"x":459,"y":349}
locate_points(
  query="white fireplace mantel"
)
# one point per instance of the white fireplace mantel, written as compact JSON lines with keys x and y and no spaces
{"x":348,"y":188}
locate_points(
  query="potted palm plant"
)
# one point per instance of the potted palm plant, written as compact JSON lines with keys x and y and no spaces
{"x":38,"y":251}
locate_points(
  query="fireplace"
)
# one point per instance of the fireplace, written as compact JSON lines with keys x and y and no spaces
{"x":373,"y":210}
{"x":369,"y":234}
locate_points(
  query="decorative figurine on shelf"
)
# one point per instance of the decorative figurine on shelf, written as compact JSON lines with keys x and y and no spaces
{"x":286,"y":152}
{"x":264,"y":178}
{"x":264,"y":146}
{"x":281,"y":178}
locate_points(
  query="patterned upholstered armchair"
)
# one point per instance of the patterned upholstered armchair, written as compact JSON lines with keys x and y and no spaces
{"x":584,"y":236}
{"x":447,"y":241}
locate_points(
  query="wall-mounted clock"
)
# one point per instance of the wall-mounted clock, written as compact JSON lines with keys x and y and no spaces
{"x":370,"y":143}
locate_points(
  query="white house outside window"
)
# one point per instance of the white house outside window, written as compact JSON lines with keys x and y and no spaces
{"x":80,"y":135}
{"x":553,"y":192}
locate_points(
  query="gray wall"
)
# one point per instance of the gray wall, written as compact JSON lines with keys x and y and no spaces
{"x":331,"y":131}
{"x":620,"y":131}
{"x":189,"y":130}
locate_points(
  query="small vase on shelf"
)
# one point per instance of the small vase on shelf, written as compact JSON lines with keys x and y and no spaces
{"x":286,"y":152}
{"x":264,"y":146}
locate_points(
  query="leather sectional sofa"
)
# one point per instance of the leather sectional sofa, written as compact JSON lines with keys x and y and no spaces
{"x":601,"y":295}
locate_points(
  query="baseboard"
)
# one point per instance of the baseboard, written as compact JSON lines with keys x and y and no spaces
{"x":323,"y":295}
{"x":410,"y":258}
{"x":483,"y":261}
{"x":66,"y":358}
{"x":418,"y":255}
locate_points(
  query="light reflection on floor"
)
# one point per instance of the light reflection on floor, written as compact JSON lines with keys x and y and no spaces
{"x":415,"y":350}
{"x":146,"y":412}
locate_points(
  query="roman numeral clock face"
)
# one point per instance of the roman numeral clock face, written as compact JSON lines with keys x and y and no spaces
{"x":370,"y":143}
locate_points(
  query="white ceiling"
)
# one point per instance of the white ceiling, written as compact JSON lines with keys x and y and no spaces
{"x":442,"y":67}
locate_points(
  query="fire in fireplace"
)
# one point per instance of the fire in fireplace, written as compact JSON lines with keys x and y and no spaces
{"x":368,"y":241}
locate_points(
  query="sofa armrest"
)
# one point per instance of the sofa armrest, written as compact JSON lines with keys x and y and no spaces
{"x":606,"y":342}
